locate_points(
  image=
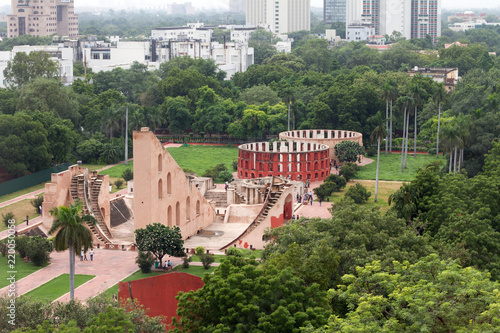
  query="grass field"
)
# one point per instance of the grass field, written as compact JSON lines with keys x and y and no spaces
{"x":23,"y":269}
{"x":134,"y":276}
{"x":385,"y":189}
{"x":117,"y":170}
{"x":20,"y":210}
{"x":201,"y":158}
{"x":21,"y":192}
{"x":390,"y":167}
{"x":57,"y":287}
{"x":218,"y":258}
{"x":194,"y":270}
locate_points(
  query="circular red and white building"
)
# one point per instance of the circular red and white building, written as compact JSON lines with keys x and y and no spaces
{"x":293,"y":160}
{"x":329,"y":138}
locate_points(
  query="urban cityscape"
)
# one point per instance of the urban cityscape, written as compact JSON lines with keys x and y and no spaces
{"x":249,"y":166}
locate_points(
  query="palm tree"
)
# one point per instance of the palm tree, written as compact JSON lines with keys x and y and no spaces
{"x":378,"y":133}
{"x":406,"y":102}
{"x":71,"y":233}
{"x":110,"y":121}
{"x":386,"y":94}
{"x":418,"y":95}
{"x":393,"y":96}
{"x":439,"y":96}
{"x":450,"y":139}
{"x":136,"y":119}
{"x":288,"y":98}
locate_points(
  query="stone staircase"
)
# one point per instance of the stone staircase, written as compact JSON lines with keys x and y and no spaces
{"x":270,"y":201}
{"x":87,"y":193}
{"x":218,"y":196}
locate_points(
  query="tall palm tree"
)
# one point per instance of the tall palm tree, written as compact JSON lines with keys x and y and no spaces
{"x":418,"y":95}
{"x":439,"y":96}
{"x":406,"y":102}
{"x":450,"y":139}
{"x":393,"y":96}
{"x":71,"y":233}
{"x":288,"y":98}
{"x":110,"y":121}
{"x":378,"y":133}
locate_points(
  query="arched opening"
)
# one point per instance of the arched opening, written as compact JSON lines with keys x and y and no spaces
{"x":316,"y":175}
{"x":160,"y":189}
{"x":159,"y":162}
{"x":177,"y":214}
{"x":197,"y":207}
{"x":169,"y":183}
{"x":188,"y":209}
{"x":288,"y":208}
{"x":169,"y":216}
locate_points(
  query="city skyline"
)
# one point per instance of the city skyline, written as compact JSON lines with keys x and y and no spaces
{"x":220,"y":4}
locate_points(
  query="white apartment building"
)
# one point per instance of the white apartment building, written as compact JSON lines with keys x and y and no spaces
{"x":102,"y":57}
{"x":358,"y":33}
{"x":195,"y":31}
{"x":279,"y":16}
{"x":395,"y":15}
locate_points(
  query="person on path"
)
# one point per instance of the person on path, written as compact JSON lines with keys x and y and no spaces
{"x":165,"y":266}
{"x":91,"y":254}
{"x":320,"y":202}
{"x":169,"y":265}
{"x":227,"y":185}
{"x":81,"y":255}
{"x":27,"y":220}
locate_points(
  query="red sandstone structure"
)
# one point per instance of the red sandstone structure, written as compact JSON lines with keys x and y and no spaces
{"x":87,"y":187}
{"x":162,"y":191}
{"x":329,"y":138}
{"x":293,"y":160}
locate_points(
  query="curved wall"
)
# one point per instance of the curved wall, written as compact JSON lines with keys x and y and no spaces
{"x":326,"y":137}
{"x":294,"y":160}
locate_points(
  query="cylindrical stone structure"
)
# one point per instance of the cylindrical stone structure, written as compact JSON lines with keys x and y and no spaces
{"x":293,"y":160}
{"x":329,"y":138}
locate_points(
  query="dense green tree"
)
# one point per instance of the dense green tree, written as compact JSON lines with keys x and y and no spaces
{"x":26,"y":67}
{"x":160,"y":240}
{"x":348,"y":151}
{"x":259,"y":94}
{"x":262,"y":42}
{"x":430,"y":295}
{"x":23,"y":144}
{"x":242,"y":297}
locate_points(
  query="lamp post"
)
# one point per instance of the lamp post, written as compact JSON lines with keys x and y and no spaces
{"x":126,"y":135}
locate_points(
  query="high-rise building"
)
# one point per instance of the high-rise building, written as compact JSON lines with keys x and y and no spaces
{"x":237,"y":6}
{"x":279,"y":16}
{"x":334,"y":11}
{"x":411,"y":18}
{"x":425,"y":18}
{"x":39,"y":18}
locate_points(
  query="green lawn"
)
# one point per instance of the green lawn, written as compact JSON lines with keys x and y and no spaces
{"x":117,"y":170}
{"x":390,"y":167}
{"x":385,"y":189}
{"x":93,"y":167}
{"x":22,"y":268}
{"x":21,"y":192}
{"x":57,"y":287}
{"x":201,"y":158}
{"x":194,"y":270}
{"x":247,"y":253}
{"x":217,"y":257}
{"x":134,"y":276}
{"x":20,"y":210}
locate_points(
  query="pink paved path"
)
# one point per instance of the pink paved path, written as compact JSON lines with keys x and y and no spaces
{"x":109,"y":267}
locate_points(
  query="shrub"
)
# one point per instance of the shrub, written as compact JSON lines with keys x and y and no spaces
{"x":199,"y":250}
{"x":188,"y":170}
{"x":145,"y":260}
{"x":340,"y":181}
{"x":3,"y":247}
{"x":371,"y":152}
{"x":118,"y":183}
{"x":349,"y":170}
{"x":215,"y":171}
{"x":232,"y":251}
{"x":235,"y":165}
{"x":324,"y":190}
{"x":348,"y":151}
{"x":185,"y":261}
{"x":6,"y":217}
{"x":22,"y":243}
{"x":432,"y":151}
{"x":37,"y":203}
{"x":358,"y":193}
{"x":38,"y":250}
{"x":127,"y":174}
{"x":225,"y":176}
{"x":207,"y":260}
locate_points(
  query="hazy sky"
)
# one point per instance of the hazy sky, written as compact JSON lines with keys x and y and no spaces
{"x":463,"y":4}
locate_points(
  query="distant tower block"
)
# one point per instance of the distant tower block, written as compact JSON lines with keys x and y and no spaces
{"x":292,"y":160}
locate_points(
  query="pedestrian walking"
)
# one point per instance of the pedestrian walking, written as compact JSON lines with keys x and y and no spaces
{"x":320,"y":202}
{"x":27,"y":220}
{"x":81,"y":255}
{"x":91,"y":254}
{"x":169,"y":265}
